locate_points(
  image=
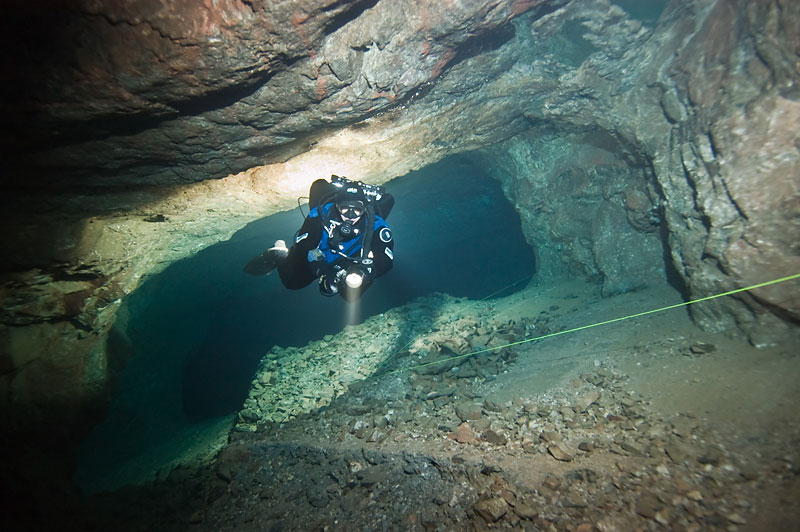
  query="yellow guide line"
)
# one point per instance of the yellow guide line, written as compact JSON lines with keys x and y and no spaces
{"x":598,"y":324}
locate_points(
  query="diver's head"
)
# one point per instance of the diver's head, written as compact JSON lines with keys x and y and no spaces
{"x":350,"y":210}
{"x":351,"y":204}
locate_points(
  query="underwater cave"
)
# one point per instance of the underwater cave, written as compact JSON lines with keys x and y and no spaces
{"x":591,"y":319}
{"x":197,"y":331}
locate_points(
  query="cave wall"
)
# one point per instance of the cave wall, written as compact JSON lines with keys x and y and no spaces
{"x":731,"y":169}
{"x":167,"y":128}
{"x":705,"y":106}
{"x":587,"y":210}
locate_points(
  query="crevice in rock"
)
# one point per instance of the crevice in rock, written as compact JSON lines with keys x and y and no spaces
{"x":544,"y":8}
{"x":351,"y":11}
{"x":149,"y":23}
{"x":673,"y":276}
{"x":732,"y":200}
{"x":129,"y":125}
{"x":483,"y":43}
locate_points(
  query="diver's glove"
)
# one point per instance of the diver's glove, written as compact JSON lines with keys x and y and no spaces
{"x":316,"y":255}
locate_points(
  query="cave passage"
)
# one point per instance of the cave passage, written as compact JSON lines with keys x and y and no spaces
{"x":199,"y":329}
{"x":454,"y":230}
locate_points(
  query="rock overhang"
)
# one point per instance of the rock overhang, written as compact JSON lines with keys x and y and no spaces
{"x":166,"y":93}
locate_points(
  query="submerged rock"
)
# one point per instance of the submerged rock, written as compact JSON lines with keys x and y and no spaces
{"x":294,"y":381}
{"x":560,"y":451}
{"x":492,"y":509}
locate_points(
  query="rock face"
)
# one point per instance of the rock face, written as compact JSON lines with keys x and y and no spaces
{"x":701,"y":115}
{"x":137,"y":130}
{"x":158,"y":92}
{"x":588,"y":212}
{"x":740,"y":160}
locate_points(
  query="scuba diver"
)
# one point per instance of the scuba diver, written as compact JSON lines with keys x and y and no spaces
{"x":344,"y":241}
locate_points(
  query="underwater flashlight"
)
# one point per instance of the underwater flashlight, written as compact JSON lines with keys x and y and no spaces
{"x":354,"y":278}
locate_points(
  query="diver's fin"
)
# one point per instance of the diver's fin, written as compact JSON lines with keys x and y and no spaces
{"x":261,"y":265}
{"x":264,"y":263}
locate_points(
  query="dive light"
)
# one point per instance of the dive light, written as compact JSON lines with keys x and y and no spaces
{"x":357,"y":272}
{"x":354,"y":278}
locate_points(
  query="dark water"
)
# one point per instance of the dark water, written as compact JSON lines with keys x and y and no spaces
{"x":646,"y":11}
{"x":199,"y":328}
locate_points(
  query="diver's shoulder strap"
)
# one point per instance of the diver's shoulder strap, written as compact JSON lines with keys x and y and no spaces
{"x":366,"y":245}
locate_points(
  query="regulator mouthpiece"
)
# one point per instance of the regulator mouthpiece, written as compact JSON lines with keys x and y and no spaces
{"x":346,"y":229}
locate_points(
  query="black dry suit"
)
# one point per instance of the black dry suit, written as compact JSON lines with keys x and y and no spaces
{"x":328,"y":246}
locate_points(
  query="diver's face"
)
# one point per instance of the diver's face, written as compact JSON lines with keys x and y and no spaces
{"x":350,"y":213}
